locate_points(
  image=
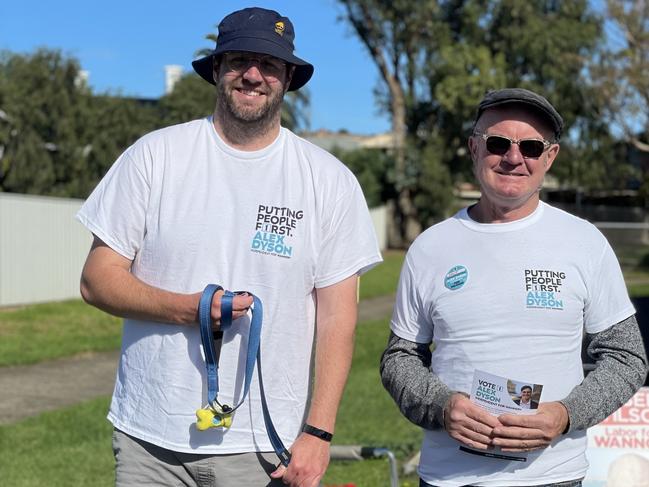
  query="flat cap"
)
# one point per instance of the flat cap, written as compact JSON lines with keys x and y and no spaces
{"x":521,"y":96}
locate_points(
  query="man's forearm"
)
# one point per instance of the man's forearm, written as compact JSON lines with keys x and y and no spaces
{"x":108,"y":284}
{"x":333,"y":360}
{"x":620,"y":370}
{"x":335,"y":328}
{"x":419,"y":393}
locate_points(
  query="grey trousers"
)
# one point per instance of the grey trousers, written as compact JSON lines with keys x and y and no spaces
{"x":138,"y":463}
{"x":569,"y":483}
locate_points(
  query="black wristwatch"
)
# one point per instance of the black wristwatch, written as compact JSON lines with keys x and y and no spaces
{"x":317,"y":432}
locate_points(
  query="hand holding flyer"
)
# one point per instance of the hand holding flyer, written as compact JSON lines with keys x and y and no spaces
{"x":499,"y":395}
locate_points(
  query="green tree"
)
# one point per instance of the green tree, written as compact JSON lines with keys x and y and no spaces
{"x":374,"y":170}
{"x":393,"y":33}
{"x":545,"y":46}
{"x":437,"y":58}
{"x":43,"y":129}
{"x":56,"y":137}
{"x":190,"y":99}
{"x":434,"y":195}
{"x":116,"y":123}
{"x":621,"y":72}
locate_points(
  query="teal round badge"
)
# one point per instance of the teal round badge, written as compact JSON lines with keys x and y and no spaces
{"x":456,"y":277}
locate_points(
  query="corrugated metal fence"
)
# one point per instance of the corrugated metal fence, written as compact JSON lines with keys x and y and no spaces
{"x":43,"y":247}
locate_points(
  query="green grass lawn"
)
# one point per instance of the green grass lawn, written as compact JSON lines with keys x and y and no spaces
{"x":639,"y":290}
{"x":369,"y":417}
{"x":72,"y":447}
{"x":46,"y":331}
{"x":382,"y":280}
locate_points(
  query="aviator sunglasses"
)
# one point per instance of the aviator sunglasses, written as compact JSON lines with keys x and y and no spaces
{"x":499,"y":145}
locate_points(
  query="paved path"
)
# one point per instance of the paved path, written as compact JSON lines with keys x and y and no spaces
{"x":32,"y":389}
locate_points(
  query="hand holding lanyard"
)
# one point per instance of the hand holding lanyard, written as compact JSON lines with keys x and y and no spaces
{"x":215,"y":414}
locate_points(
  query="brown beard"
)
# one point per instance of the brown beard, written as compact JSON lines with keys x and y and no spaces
{"x":240,"y":123}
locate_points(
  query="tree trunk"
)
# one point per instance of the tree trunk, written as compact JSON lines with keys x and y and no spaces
{"x":403,"y":225}
{"x":406,"y":226}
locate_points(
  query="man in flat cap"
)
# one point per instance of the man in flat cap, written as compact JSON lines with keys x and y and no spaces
{"x":238,"y":201}
{"x":504,"y":290}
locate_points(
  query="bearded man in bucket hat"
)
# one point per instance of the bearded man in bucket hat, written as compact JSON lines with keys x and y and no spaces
{"x":236,"y":200}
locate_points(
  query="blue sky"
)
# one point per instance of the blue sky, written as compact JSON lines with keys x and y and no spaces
{"x":125,"y":45}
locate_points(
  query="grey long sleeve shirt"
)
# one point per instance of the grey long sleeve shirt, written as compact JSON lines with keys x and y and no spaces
{"x":620,"y":370}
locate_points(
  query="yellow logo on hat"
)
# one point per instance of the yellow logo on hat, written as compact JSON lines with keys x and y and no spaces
{"x":279,"y":27}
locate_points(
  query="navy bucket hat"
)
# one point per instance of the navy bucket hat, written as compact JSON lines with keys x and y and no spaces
{"x":260,"y":31}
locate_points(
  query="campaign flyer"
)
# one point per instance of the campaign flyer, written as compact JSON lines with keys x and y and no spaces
{"x":501,"y":395}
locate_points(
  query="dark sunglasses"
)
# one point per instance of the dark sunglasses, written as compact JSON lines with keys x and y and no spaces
{"x":499,"y":145}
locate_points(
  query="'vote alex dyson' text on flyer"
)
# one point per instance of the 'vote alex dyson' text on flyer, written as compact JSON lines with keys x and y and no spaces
{"x":499,"y":395}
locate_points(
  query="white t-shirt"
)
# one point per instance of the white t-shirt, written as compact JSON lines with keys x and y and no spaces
{"x":511,"y":299}
{"x":190,"y":210}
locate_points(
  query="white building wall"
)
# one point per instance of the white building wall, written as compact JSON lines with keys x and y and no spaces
{"x":173,"y":72}
{"x":380,"y":220}
{"x":42,"y":249}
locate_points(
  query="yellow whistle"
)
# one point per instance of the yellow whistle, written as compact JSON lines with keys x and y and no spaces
{"x":208,"y":418}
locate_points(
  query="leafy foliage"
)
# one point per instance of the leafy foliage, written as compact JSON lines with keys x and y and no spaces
{"x":621,"y":71}
{"x":43,"y":131}
{"x":56,"y":137}
{"x":190,"y":99}
{"x":438,"y":58}
{"x":620,"y":74}
{"x":374,"y":170}
{"x":117,"y":122}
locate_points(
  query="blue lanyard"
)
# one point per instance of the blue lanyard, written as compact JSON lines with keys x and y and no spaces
{"x":205,"y":320}
{"x":253,"y":354}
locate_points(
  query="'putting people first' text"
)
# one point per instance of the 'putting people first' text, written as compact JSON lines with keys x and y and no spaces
{"x":274,"y":224}
{"x":277,"y":220}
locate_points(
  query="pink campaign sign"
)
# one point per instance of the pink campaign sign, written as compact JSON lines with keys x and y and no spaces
{"x":618,"y":447}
